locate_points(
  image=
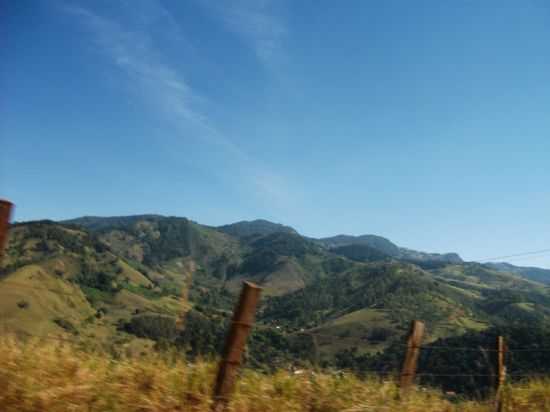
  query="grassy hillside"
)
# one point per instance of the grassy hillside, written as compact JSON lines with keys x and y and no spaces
{"x":66,"y":281}
{"x":147,"y":280}
{"x":48,"y":376}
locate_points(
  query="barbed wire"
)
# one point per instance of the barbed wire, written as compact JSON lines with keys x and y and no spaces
{"x":365,"y":372}
{"x":422,"y":347}
{"x":528,"y":350}
{"x":475,"y":375}
{"x":455,"y":348}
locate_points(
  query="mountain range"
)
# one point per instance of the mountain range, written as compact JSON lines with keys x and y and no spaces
{"x":131,"y":282}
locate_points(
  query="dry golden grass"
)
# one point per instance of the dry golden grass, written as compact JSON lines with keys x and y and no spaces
{"x":53,"y":376}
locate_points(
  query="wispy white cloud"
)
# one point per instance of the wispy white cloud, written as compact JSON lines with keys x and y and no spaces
{"x":132,"y":49}
{"x":257,"y":23}
{"x":162,"y":86}
{"x":133,"y":52}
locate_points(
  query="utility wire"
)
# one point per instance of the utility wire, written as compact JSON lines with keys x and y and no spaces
{"x":535,"y":252}
{"x":368,"y":372}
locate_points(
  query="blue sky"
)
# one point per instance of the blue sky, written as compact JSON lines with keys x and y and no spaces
{"x":426,"y":122}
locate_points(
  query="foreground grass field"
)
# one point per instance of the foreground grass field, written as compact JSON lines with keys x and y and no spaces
{"x":53,"y":376}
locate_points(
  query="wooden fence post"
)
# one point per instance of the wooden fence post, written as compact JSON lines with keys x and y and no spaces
{"x":411,"y":358}
{"x":5,"y":213}
{"x":501,"y":370}
{"x":243,"y":319}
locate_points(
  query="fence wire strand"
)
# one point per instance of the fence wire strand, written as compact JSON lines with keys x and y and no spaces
{"x":368,"y":372}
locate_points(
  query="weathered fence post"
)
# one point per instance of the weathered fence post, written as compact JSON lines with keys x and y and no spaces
{"x":243,"y":319}
{"x":411,"y":358}
{"x":501,"y":370}
{"x":5,"y":213}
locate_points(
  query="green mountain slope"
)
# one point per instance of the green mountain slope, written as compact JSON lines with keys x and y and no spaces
{"x":370,"y":306}
{"x":388,"y":248}
{"x":95,"y":223}
{"x":360,"y":253}
{"x":284,"y":262}
{"x":532,"y":273}
{"x":255,"y":227}
{"x":62,"y":280}
{"x":379,"y":243}
{"x":375,"y":302}
{"x":135,"y":280}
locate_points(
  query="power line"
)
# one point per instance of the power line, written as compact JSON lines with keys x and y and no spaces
{"x":535,"y":252}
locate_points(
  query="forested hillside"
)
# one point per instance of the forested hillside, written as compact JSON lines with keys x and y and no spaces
{"x":141,"y":282}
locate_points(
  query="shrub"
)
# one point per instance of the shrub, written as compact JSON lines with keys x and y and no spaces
{"x":67,"y":325}
{"x":154,"y":327}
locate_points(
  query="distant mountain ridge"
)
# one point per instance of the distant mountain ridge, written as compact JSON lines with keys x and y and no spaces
{"x":529,"y":272}
{"x":99,"y":223}
{"x":362,"y":247}
{"x":254,"y":227}
{"x":388,"y":248}
{"x":132,"y":276}
{"x":376,"y":242}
